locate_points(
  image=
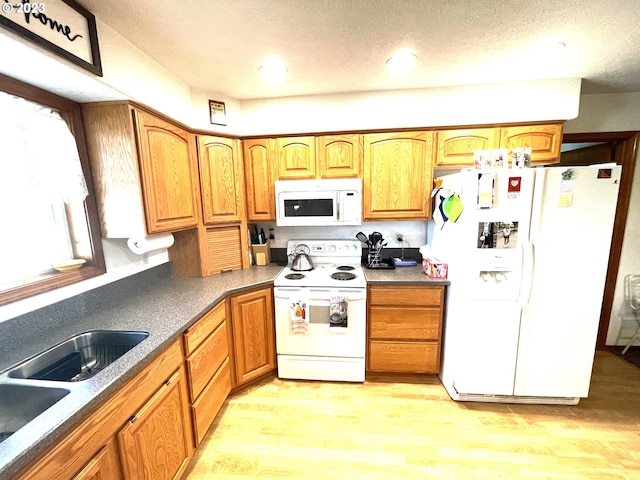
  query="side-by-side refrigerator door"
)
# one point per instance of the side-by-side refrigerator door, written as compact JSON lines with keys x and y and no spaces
{"x":572,"y":224}
{"x":487,"y":311}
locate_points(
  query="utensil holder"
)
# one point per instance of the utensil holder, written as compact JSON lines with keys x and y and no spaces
{"x":374,"y":258}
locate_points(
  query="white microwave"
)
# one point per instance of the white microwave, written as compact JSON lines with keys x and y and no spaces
{"x":318,"y":202}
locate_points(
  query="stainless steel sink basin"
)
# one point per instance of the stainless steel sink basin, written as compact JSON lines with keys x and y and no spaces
{"x":19,"y":404}
{"x":79,"y":357}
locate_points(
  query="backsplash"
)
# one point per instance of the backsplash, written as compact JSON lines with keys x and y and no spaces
{"x":414,"y":232}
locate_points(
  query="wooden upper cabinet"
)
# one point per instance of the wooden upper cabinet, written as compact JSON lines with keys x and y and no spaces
{"x":545,"y":141}
{"x":296,"y":158}
{"x":397,"y":175}
{"x":259,"y":165}
{"x":221,"y":179}
{"x":339,"y":156}
{"x":456,"y":147}
{"x":169,"y":174}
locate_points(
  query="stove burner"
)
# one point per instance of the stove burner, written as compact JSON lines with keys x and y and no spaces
{"x":345,"y":268}
{"x":295,"y":276}
{"x":343,"y":276}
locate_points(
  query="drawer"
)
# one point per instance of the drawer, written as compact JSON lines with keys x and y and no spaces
{"x":404,"y":357}
{"x":206,"y":360}
{"x":408,"y":323}
{"x":204,"y":327}
{"x":409,"y":295}
{"x":208,"y":405}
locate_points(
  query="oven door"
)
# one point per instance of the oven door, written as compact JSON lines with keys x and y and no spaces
{"x":321,"y":338}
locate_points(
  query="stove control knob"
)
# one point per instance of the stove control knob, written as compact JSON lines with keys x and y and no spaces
{"x":331,"y":248}
{"x":354,"y":247}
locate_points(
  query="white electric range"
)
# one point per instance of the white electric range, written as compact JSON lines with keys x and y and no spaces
{"x":320,"y":315}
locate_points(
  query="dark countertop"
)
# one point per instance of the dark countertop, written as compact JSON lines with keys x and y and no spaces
{"x":151,"y":301}
{"x":403,"y":275}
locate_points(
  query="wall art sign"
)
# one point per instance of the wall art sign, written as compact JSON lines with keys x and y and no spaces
{"x":217,"y":112}
{"x":60,"y":26}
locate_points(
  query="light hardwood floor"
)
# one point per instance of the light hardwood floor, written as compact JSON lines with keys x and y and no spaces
{"x":394,"y":430}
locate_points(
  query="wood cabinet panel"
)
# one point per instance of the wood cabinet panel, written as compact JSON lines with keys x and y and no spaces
{"x":207,"y":406}
{"x":253,"y":335}
{"x":404,"y":328}
{"x":207,"y":359}
{"x":205,"y":326}
{"x":339,"y":156}
{"x":545,"y":141}
{"x":221,"y":179}
{"x":223,"y":249}
{"x":408,"y":295}
{"x":416,"y":323}
{"x":402,"y":357}
{"x":156,"y":443}
{"x":397,"y":175}
{"x":260,"y":162}
{"x":105,"y":465}
{"x":168,"y":171}
{"x":296,"y":157}
{"x":456,"y":147}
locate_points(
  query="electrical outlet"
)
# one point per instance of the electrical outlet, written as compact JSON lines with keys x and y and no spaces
{"x":399,"y":237}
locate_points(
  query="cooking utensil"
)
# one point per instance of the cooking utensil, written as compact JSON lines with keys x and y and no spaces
{"x":362,"y":237}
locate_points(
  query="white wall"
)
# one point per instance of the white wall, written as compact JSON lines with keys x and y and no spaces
{"x":466,"y":105}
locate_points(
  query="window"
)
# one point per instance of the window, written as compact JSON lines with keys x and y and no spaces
{"x":47,"y":209}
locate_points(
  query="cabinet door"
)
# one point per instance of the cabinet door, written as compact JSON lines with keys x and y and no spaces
{"x":253,"y":335}
{"x":157,"y":441}
{"x":544,"y":140}
{"x":259,"y":163}
{"x":296,"y":157}
{"x":103,"y":466}
{"x":397,"y":175}
{"x":339,"y":156}
{"x":168,"y":170}
{"x":456,"y":147}
{"x":221,"y":179}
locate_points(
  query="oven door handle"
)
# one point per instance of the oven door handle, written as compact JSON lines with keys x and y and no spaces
{"x":318,"y":293}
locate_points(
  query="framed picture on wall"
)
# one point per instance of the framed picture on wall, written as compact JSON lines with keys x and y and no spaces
{"x":61,"y":26}
{"x":217,"y":112}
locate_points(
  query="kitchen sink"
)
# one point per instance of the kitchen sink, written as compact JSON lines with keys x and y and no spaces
{"x":19,"y":404}
{"x":80,"y":357}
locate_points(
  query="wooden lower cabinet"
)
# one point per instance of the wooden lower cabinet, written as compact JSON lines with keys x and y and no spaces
{"x":159,"y":440}
{"x":105,"y":465}
{"x":156,"y":442}
{"x":208,"y":367}
{"x":254,"y":352}
{"x":404,"y":328}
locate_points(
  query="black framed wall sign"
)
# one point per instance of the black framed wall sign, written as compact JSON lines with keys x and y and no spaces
{"x":217,"y":112}
{"x":60,"y":26}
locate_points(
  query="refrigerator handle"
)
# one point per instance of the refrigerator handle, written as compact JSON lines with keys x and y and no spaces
{"x":529,"y":266}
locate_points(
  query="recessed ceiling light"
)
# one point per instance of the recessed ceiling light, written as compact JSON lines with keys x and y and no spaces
{"x":401,"y":62}
{"x":550,"y":47}
{"x":273,"y":71}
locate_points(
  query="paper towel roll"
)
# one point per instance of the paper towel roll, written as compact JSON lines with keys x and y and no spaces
{"x":142,"y":245}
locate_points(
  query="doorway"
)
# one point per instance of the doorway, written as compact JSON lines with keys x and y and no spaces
{"x":621,"y":148}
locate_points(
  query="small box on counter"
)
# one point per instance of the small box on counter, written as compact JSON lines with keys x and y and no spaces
{"x":433,"y":268}
{"x":262,"y":253}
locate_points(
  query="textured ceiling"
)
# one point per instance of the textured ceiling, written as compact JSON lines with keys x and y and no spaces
{"x":333,"y":46}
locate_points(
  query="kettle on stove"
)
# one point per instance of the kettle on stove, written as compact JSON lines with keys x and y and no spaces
{"x":301,"y":262}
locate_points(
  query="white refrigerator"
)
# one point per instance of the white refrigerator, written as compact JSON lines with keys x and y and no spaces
{"x":527,"y":260}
